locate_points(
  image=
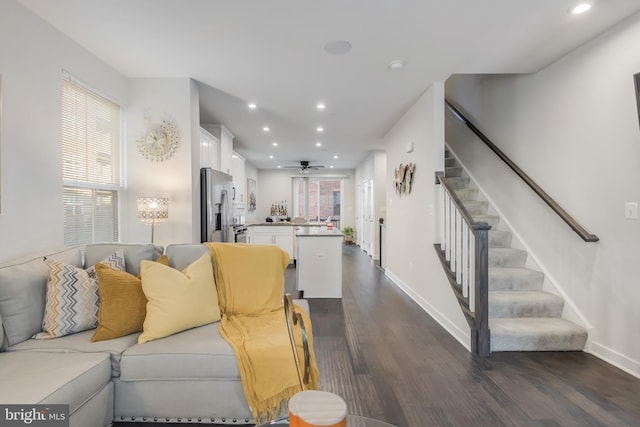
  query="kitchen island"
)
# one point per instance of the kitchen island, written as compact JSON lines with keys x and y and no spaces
{"x":319,"y":262}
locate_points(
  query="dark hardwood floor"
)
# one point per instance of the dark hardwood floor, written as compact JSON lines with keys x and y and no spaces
{"x":391,"y":361}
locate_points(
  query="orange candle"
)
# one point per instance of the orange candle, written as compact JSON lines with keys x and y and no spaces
{"x":312,"y":408}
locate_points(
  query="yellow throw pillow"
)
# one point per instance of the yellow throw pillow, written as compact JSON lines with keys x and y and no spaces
{"x":123,"y":305}
{"x":178,"y":300}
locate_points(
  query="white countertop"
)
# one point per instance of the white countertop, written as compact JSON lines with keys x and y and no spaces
{"x":318,"y":231}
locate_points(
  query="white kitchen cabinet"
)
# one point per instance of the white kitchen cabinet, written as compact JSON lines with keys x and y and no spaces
{"x":279,"y":235}
{"x":226,"y":145}
{"x":239,"y":181}
{"x":209,"y":150}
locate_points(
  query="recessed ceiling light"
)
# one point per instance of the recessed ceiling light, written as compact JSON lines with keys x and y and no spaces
{"x":581,"y":8}
{"x":271,"y":156}
{"x":397,"y":64}
{"x":318,"y":144}
{"x":320,"y":106}
{"x":279,"y":166}
{"x":275,"y":144}
{"x":252,"y":105}
{"x":335,"y":157}
{"x":266,"y":129}
{"x":320,"y":129}
{"x":337,"y":47}
{"x":331,"y":167}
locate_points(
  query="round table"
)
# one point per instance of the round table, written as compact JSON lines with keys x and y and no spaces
{"x":352,"y":421}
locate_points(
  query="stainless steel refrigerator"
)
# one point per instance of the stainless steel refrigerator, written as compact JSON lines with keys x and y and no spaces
{"x":216,"y":206}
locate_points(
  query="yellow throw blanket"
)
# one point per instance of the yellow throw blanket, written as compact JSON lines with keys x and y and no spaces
{"x":250,"y":283}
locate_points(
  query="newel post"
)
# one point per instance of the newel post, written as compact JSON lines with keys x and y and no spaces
{"x":482,"y":339}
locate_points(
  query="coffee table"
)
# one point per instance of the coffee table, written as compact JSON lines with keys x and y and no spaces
{"x":352,"y":421}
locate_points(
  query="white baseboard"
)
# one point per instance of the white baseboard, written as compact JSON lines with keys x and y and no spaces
{"x":630,"y":366}
{"x":463,"y":337}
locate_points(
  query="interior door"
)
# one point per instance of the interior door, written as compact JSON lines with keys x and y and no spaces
{"x":370,"y":223}
{"x":367,"y":217}
{"x":359,"y":215}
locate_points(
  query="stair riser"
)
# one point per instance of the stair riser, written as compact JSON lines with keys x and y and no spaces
{"x":452,"y":171}
{"x":537,"y":343}
{"x":536,"y":335}
{"x":499,"y":239}
{"x":492,"y":220}
{"x":502,"y":309}
{"x":476,"y":208}
{"x":449,"y":162}
{"x":459,"y":183}
{"x":467,"y":194}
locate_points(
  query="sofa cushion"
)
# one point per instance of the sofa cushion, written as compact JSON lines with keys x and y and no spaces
{"x":32,"y":377}
{"x":22,"y":292}
{"x":22,"y":296}
{"x":133,"y":254}
{"x":80,"y":343}
{"x":71,"y":256}
{"x":195,"y":354}
{"x":72,"y":297}
{"x":122,"y":304}
{"x":178,"y":300}
{"x":181,"y":255}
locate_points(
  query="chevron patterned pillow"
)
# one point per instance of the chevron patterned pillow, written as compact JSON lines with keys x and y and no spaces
{"x":72,"y":299}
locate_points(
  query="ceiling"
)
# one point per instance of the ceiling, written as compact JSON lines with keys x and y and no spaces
{"x":272,"y":53}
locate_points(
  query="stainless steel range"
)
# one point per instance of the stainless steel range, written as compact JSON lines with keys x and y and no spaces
{"x":240,"y":232}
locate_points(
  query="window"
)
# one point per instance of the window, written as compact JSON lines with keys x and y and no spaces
{"x":90,"y":165}
{"x":317,"y":199}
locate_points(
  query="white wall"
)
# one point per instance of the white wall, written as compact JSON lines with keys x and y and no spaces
{"x":196,"y":152}
{"x":411,"y":260}
{"x":32,"y":58}
{"x":275,"y":184}
{"x":573,"y":127}
{"x":172,"y":178}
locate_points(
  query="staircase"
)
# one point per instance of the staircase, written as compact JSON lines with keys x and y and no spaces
{"x":522,"y":317}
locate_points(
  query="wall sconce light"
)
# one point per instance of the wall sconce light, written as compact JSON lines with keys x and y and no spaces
{"x":153,"y":210}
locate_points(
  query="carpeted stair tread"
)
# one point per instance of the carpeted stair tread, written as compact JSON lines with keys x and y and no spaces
{"x":499,"y":238}
{"x":459,"y":182}
{"x":452,"y":171}
{"x":536,"y":334}
{"x":524,"y":304}
{"x":465,"y":194}
{"x":476,"y":207}
{"x":515,"y":279}
{"x":507,"y":257}
{"x":492,"y":220}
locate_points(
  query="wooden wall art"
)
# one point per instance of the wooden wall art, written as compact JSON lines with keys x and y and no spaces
{"x":403,"y":177}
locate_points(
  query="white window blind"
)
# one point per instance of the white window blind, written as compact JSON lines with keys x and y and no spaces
{"x":90,"y":165}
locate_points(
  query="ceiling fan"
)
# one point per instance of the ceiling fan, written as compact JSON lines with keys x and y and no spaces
{"x":305,"y":166}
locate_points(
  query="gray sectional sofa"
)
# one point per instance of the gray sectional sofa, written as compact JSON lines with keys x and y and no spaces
{"x":191,"y":376}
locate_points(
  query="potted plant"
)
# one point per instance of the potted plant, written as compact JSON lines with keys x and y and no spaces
{"x":348,"y":234}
